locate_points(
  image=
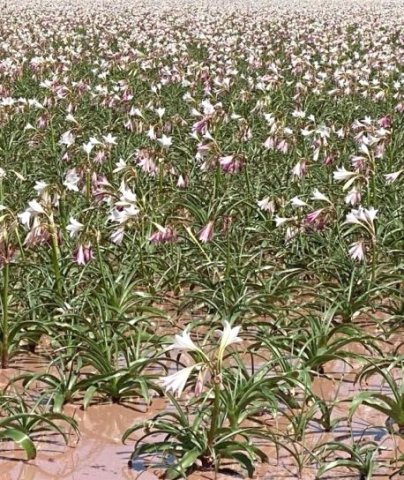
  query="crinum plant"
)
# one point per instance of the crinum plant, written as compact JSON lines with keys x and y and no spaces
{"x":199,"y":433}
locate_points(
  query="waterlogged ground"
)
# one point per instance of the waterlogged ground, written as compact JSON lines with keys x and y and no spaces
{"x":203,"y":200}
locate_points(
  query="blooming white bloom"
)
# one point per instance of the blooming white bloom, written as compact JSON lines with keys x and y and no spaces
{"x":25,"y":218}
{"x":281,"y":220}
{"x":160,"y":112}
{"x":67,"y":139}
{"x":117,"y":236}
{"x":317,"y":195}
{"x":74,"y":227}
{"x":353,"y":197}
{"x":228,"y":336}
{"x":88,"y":147}
{"x":177,"y":381}
{"x":40,"y":187}
{"x":127,"y":198}
{"x":36,"y":207}
{"x":266,"y":205}
{"x":342,"y":174}
{"x":184,"y":342}
{"x":119,"y":165}
{"x":364,"y":217}
{"x":357,"y":250}
{"x":165,"y":141}
{"x":392,"y":177}
{"x":297,"y":202}
{"x":72,"y":180}
{"x":151,"y":133}
{"x":300,"y":169}
{"x":109,"y":139}
{"x":2,"y":173}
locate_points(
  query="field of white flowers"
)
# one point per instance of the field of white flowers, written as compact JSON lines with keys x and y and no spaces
{"x":201,"y":205}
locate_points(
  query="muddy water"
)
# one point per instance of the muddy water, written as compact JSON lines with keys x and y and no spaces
{"x":100,"y":454}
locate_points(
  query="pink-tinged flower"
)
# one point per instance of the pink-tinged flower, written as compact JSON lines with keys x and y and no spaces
{"x":266,"y":205}
{"x":385,"y":122}
{"x":117,"y":236}
{"x":353,"y":197}
{"x":7,"y":253}
{"x":99,"y":157}
{"x":146,"y":163}
{"x":231,"y":163}
{"x":206,"y":233}
{"x":300,"y":169}
{"x":357,"y":250}
{"x":392,"y":177}
{"x":83,"y":254}
{"x":313,"y":217}
{"x":200,"y":126}
{"x":358,"y":162}
{"x":182,"y":182}
{"x":163,"y":235}
{"x":291,"y":232}
{"x":283,"y":146}
{"x":269,"y":143}
{"x":329,"y":160}
{"x":38,"y":235}
{"x":200,"y":381}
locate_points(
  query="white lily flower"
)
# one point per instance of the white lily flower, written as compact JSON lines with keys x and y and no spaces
{"x":74,"y":227}
{"x":184,"y":342}
{"x":228,"y":336}
{"x":342,"y":174}
{"x":297,"y":202}
{"x":165,"y":141}
{"x":392,"y":177}
{"x":71,"y":180}
{"x":317,"y":195}
{"x":119,"y":165}
{"x":357,"y":250}
{"x":109,"y":139}
{"x":40,"y":187}
{"x":266,"y":205}
{"x":67,"y":139}
{"x":281,"y":220}
{"x":36,"y":207}
{"x":177,"y":381}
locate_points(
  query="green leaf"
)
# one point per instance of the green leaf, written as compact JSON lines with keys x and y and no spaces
{"x":180,"y":468}
{"x":21,"y":439}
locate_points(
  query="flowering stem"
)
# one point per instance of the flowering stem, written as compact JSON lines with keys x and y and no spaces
{"x":88,"y":185}
{"x":215,"y":414}
{"x":55,"y":257}
{"x":4,"y":303}
{"x":374,"y":257}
